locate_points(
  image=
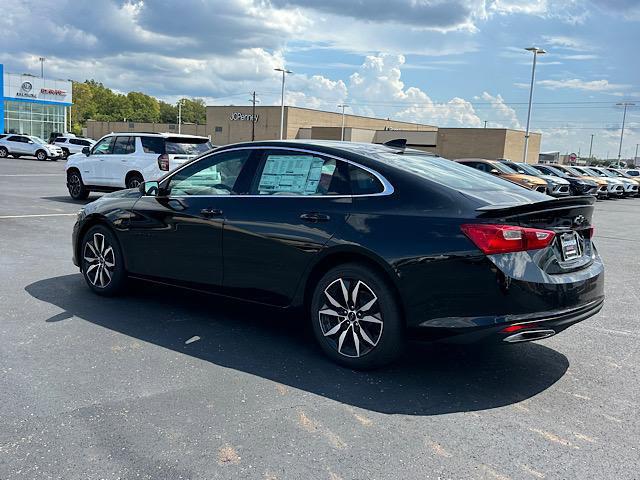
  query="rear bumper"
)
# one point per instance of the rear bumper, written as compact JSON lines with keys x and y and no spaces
{"x":489,"y":329}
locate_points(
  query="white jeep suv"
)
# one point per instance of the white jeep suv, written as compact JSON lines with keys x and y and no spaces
{"x":125,"y":160}
{"x":71,"y":144}
{"x":28,"y":145}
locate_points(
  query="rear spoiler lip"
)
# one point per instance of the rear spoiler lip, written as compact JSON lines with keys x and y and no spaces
{"x":553,"y":204}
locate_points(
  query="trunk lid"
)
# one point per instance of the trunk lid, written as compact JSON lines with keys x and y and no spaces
{"x":569,"y":218}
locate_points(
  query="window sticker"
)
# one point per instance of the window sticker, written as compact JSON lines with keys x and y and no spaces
{"x":299,"y":174}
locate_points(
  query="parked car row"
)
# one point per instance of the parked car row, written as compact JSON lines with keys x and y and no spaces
{"x":374,"y":243}
{"x":23,"y":145}
{"x":71,"y":144}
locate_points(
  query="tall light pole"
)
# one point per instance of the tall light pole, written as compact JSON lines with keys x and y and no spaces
{"x":284,"y":73}
{"x":253,"y":115}
{"x":180,"y":116}
{"x":42,"y":59}
{"x":624,"y":117}
{"x":591,"y":146}
{"x":635,"y":158}
{"x":342,"y":130}
{"x":536,"y":51}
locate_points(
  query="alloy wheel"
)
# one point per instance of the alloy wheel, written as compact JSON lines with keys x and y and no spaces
{"x":350,"y":317}
{"x":41,"y":156}
{"x":101,"y":261}
{"x":74,"y":185}
{"x":134,"y":182}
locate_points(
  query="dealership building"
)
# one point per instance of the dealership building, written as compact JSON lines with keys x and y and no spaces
{"x":33,"y":105}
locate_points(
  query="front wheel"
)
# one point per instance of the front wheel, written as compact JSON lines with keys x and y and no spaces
{"x":41,"y":155}
{"x":356,"y":318}
{"x":101,"y":261}
{"x":76,"y":186}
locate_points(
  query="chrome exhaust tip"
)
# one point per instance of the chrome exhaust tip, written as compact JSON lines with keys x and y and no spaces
{"x":529,"y":335}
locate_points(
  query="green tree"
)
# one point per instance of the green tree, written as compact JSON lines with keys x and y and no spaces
{"x":144,"y":108}
{"x":168,"y":113}
{"x":194,"y":110}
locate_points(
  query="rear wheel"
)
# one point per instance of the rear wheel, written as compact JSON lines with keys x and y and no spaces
{"x":356,"y":318}
{"x":101,"y":261}
{"x":134,"y":180}
{"x":65,"y":153}
{"x":76,"y":186}
{"x":4,"y":153}
{"x":41,"y":155}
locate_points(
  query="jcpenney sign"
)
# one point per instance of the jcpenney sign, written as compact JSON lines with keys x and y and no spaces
{"x":243,"y":117}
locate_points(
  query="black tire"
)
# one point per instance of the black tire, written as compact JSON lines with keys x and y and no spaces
{"x":375,"y":318}
{"x":134,"y":180}
{"x":4,"y":153}
{"x":76,"y":186}
{"x":41,"y":155}
{"x":105,"y":274}
{"x":65,"y":153}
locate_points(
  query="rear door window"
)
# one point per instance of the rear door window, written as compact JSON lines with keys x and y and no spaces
{"x":298,"y":173}
{"x":124,"y":146}
{"x":60,"y":140}
{"x":363,"y":182}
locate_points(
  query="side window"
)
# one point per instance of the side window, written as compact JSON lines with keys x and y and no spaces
{"x":123,"y":146}
{"x":293,"y":173}
{"x":153,"y":145}
{"x":14,"y":139}
{"x":60,"y":140}
{"x":213,"y":175}
{"x":363,"y":182}
{"x":104,"y":146}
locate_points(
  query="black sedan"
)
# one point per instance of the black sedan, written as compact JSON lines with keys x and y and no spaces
{"x":376,"y":243}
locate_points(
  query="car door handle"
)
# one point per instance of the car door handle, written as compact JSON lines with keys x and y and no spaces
{"x":314,"y":217}
{"x":211,"y":212}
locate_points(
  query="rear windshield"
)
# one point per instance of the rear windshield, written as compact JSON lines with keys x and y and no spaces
{"x":447,"y":172}
{"x":633,"y":173}
{"x":187,"y":146}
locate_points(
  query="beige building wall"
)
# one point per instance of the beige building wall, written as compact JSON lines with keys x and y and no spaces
{"x":96,"y":130}
{"x":231,"y":124}
{"x":489,"y":143}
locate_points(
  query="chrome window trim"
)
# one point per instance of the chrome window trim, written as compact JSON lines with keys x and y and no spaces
{"x":386,"y":190}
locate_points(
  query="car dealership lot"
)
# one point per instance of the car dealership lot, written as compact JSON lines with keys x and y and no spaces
{"x":169,"y":384}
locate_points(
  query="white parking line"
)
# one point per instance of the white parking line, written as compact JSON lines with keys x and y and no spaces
{"x":31,"y":174}
{"x":2,"y":217}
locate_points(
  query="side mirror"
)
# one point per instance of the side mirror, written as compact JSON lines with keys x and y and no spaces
{"x":150,"y":188}
{"x":494,"y":171}
{"x":86,"y":151}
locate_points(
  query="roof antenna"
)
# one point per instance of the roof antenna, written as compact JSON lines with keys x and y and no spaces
{"x":400,"y":143}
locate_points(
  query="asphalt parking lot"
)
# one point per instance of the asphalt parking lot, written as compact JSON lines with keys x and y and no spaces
{"x":165,"y":384}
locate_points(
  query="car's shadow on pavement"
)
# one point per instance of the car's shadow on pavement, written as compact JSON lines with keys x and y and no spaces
{"x":66,"y":199}
{"x":429,"y":380}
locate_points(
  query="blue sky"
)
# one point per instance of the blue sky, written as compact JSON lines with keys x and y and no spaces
{"x":447,"y":63}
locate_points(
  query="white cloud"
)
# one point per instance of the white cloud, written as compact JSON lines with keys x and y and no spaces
{"x":577,"y":84}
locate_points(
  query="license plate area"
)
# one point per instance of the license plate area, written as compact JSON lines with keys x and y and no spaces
{"x":570,"y":246}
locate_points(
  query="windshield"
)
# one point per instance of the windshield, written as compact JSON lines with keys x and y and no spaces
{"x":446,"y":172}
{"x":187,"y":146}
{"x":503,"y":168}
{"x":553,"y":171}
{"x":36,"y":139}
{"x":528,"y":169}
{"x":595,"y":173}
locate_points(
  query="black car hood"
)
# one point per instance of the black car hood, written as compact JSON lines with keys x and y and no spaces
{"x":128,"y":193}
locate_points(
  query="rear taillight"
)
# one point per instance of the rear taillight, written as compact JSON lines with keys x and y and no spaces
{"x":507,"y":238}
{"x":163,"y":162}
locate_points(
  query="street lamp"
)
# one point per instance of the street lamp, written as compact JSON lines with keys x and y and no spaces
{"x":42,"y":59}
{"x":284,"y":72}
{"x":342,"y":130}
{"x":624,"y":117}
{"x":536,"y":51}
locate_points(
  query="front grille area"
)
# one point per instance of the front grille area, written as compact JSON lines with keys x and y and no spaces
{"x":541,"y":189}
{"x":563,"y":189}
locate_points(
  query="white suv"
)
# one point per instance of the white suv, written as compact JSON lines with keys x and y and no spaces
{"x":71,"y":144}
{"x":125,"y":160}
{"x":28,"y":145}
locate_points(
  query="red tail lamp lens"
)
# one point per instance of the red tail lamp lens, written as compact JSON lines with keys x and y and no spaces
{"x":492,"y":239}
{"x":163,"y":162}
{"x":515,"y":328}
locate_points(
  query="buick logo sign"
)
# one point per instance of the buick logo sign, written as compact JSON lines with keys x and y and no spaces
{"x":26,"y":87}
{"x":25,"y":90}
